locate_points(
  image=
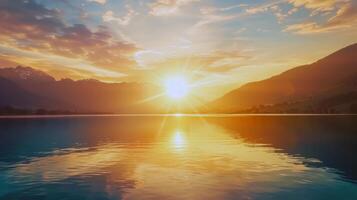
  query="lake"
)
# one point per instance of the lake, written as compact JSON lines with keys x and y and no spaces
{"x":178,"y":157}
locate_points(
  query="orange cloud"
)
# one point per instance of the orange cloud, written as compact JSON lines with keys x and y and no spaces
{"x":215,"y":61}
{"x":345,"y":18}
{"x":317,"y":5}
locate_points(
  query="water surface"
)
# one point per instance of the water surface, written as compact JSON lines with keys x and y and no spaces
{"x":179,"y":157}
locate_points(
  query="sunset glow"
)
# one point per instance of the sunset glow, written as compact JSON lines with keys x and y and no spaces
{"x":226,"y":43}
{"x":178,"y":99}
{"x":176,"y":87}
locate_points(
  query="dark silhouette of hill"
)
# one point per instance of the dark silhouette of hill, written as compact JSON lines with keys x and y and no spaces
{"x":326,"y":86}
{"x":13,"y":84}
{"x":334,"y":75}
{"x":25,"y":74}
{"x":12,"y":94}
{"x":24,"y":87}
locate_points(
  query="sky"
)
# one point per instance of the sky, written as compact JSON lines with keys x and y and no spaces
{"x":218,"y":44}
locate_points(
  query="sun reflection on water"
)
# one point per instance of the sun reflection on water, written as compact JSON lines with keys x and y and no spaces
{"x":178,"y":114}
{"x":178,"y":140}
{"x":189,"y":158}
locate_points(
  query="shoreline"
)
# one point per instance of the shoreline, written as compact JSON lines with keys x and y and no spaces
{"x":173,"y":115}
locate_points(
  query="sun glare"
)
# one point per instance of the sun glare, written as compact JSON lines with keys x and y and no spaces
{"x":178,"y":140}
{"x":176,"y":87}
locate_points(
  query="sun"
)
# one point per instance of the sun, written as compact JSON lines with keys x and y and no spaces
{"x":176,"y":87}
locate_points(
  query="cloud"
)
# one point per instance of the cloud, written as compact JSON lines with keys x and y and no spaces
{"x":210,"y":15}
{"x":346,"y":14}
{"x":316,"y":5}
{"x":345,"y":18}
{"x":233,"y":7}
{"x":214,"y":61}
{"x":109,"y":16}
{"x":21,"y":56}
{"x":145,"y":58}
{"x":29,"y":26}
{"x":167,"y":7}
{"x":211,"y":9}
{"x":263,"y":7}
{"x":274,"y":7}
{"x":99,"y":1}
{"x":221,"y":61}
{"x":213,"y":18}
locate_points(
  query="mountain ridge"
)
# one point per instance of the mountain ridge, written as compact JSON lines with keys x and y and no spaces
{"x":299,"y":83}
{"x":89,"y":96}
{"x":323,"y":86}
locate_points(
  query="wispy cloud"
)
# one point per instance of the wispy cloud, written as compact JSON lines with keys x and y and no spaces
{"x":33,"y":57}
{"x":345,"y":18}
{"x":109,"y":16}
{"x":99,"y":1}
{"x":263,"y":7}
{"x":316,"y":5}
{"x":167,"y":7}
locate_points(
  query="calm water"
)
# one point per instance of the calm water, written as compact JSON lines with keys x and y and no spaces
{"x":242,"y":157}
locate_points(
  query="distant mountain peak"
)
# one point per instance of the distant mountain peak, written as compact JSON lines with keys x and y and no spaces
{"x":21,"y":73}
{"x":25,"y":87}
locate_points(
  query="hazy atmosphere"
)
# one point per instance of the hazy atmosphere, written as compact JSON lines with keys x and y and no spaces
{"x":178,"y":99}
{"x":219,"y":44}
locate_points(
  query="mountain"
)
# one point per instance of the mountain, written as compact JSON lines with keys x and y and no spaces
{"x":20,"y":73}
{"x":328,"y":85}
{"x":12,"y":94}
{"x":332,"y":76}
{"x":25,"y":87}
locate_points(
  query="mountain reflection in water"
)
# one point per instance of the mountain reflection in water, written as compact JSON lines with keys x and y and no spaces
{"x":247,"y":157}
